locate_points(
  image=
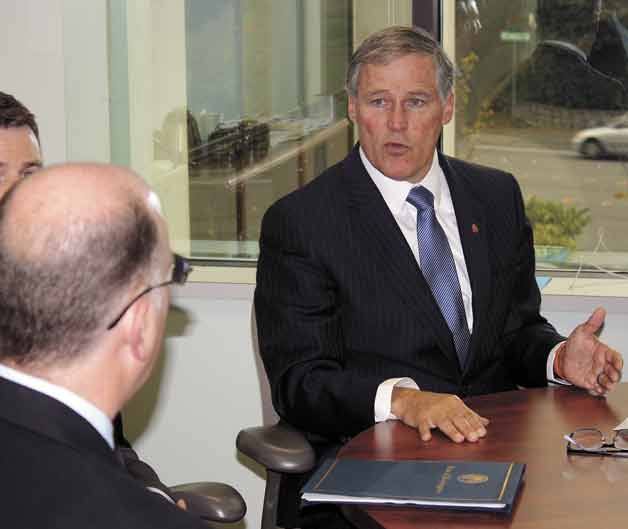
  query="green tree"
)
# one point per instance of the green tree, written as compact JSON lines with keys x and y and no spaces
{"x":554,"y":223}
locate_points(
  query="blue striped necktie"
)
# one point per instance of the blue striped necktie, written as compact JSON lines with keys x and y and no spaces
{"x":439,"y":269}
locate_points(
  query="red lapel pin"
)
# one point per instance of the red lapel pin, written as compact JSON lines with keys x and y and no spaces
{"x":474,"y":228}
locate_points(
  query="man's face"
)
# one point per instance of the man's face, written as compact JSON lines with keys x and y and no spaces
{"x":400,"y":115}
{"x":19,"y":155}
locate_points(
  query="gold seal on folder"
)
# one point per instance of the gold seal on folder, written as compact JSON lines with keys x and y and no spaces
{"x":472,"y":479}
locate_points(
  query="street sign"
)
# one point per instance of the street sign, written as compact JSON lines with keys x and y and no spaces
{"x":514,"y":36}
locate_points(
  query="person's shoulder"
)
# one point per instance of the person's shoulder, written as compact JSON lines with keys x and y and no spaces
{"x":477,"y":174}
{"x":321,"y":192}
{"x":497,"y":190}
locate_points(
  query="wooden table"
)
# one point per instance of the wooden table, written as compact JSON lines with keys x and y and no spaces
{"x":559,"y":491}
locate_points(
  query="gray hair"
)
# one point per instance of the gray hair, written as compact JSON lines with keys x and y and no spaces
{"x":393,"y":42}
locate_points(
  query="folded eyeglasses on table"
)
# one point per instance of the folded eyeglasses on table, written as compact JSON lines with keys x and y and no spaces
{"x":593,"y":441}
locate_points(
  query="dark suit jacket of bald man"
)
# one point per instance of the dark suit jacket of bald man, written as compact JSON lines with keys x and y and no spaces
{"x":341,"y":304}
{"x":140,"y":470}
{"x":59,"y":473}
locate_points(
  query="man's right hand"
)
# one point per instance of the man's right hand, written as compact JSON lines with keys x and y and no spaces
{"x":425,"y":410}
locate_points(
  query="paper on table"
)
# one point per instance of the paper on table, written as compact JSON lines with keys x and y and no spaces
{"x":623,"y":425}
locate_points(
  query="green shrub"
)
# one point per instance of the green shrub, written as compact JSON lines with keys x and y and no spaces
{"x":554,"y":223}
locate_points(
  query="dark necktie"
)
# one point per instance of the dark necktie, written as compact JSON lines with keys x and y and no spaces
{"x":118,"y":453}
{"x":439,"y":269}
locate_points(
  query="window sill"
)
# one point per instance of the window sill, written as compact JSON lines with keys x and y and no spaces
{"x":587,"y":286}
{"x":223,"y":274}
{"x":568,"y":294}
{"x":560,"y":293}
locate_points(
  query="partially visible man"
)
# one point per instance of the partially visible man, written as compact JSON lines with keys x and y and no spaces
{"x":561,"y":71}
{"x":609,"y":52}
{"x":19,"y":142}
{"x":84,"y":254}
{"x":20,"y":156}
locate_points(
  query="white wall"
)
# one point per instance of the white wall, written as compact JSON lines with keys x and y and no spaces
{"x":32,"y":66}
{"x":206,"y":388}
{"x":86,"y":82}
{"x":66,"y":90}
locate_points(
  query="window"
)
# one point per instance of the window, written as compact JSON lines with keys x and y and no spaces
{"x":543,"y":93}
{"x":226,"y":106}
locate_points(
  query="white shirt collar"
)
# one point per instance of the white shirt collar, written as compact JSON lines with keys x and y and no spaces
{"x":82,"y":407}
{"x":395,"y":192}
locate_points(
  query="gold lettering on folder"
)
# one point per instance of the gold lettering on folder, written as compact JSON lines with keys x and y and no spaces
{"x":444,"y":479}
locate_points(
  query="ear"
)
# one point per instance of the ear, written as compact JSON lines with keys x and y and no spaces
{"x":351,"y":108}
{"x":136,"y":329}
{"x":448,"y":108}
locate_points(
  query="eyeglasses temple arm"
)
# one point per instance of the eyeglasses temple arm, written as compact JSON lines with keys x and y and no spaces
{"x":572,"y":441}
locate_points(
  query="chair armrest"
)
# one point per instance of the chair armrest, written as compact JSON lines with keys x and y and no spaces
{"x":216,"y":502}
{"x":279,"y":448}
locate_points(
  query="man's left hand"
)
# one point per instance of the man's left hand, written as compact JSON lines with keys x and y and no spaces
{"x":587,"y":362}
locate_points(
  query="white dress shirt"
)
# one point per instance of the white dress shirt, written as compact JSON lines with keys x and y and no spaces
{"x":94,"y":416}
{"x":394,"y":193}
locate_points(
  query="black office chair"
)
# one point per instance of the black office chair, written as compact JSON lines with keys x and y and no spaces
{"x":281,"y":450}
{"x":212,"y":502}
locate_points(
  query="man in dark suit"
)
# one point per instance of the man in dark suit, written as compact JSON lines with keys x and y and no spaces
{"x":84,"y":253}
{"x":401,"y":279}
{"x":20,"y":156}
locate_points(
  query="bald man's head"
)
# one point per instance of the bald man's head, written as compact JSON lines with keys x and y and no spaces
{"x":74,"y":240}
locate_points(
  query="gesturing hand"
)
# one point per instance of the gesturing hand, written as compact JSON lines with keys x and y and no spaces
{"x":424,"y":410}
{"x":587,"y":362}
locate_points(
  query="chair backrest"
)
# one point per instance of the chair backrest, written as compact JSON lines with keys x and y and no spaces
{"x":277,"y":446}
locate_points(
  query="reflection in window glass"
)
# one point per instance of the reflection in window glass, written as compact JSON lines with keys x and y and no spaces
{"x":264,"y":109}
{"x":543,"y":93}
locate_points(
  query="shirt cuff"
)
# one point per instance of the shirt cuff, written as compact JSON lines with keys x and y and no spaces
{"x":551,"y":376}
{"x":383,"y":397}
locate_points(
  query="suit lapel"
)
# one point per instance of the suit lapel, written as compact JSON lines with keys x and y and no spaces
{"x":473,"y":232}
{"x":375,"y":225}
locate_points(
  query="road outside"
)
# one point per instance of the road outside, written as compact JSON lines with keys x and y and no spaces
{"x":545,"y":165}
